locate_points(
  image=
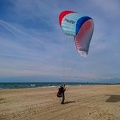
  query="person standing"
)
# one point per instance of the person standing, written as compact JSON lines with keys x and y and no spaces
{"x":61,"y":93}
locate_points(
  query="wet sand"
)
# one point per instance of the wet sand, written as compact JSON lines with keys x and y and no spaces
{"x":97,"y":102}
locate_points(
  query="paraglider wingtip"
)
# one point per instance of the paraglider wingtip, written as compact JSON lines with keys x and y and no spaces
{"x":83,"y":53}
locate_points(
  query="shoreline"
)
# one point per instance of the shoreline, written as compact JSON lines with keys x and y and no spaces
{"x":22,"y":85}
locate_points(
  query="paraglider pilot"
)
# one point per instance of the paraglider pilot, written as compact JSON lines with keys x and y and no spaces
{"x":61,"y":93}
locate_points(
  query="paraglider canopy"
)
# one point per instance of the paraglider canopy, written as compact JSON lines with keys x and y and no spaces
{"x":80,"y":27}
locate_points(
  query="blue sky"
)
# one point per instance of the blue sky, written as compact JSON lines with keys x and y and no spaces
{"x":33,"y":47}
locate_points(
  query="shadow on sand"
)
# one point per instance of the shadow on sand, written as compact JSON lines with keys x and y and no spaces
{"x":68,"y":102}
{"x":113,"y":98}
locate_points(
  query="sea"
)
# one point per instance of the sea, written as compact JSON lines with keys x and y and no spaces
{"x":41,"y":84}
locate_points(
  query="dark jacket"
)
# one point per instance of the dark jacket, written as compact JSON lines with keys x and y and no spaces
{"x":61,"y":91}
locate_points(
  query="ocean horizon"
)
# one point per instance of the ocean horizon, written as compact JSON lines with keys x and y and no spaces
{"x":19,"y":85}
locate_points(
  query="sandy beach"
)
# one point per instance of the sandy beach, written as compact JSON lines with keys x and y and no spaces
{"x":96,"y":102}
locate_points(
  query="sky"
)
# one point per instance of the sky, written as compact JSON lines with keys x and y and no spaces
{"x":34,"y":48}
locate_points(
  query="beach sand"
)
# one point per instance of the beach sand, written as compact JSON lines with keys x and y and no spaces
{"x":96,"y":102}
